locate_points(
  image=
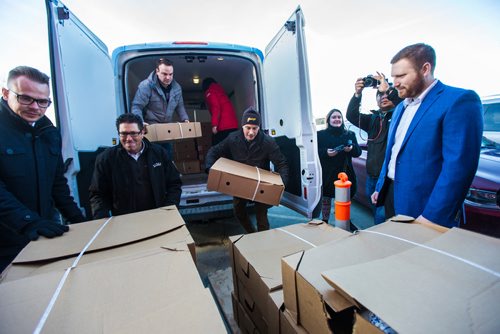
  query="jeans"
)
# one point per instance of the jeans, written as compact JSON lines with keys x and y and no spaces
{"x":378,"y":212}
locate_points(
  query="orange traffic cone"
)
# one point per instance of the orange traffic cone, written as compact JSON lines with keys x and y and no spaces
{"x":343,"y":202}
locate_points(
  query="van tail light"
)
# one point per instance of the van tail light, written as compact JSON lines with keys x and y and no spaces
{"x":305,"y":192}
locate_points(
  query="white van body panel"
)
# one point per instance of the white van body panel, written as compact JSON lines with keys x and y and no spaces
{"x":289,"y":108}
{"x":91,"y":90}
{"x":84,"y":92}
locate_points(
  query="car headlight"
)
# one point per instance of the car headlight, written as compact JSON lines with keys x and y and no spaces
{"x":482,"y":198}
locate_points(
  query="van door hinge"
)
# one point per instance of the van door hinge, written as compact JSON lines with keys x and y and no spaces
{"x":290,"y":26}
{"x":62,"y":14}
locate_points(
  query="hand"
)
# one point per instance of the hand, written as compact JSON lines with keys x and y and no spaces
{"x":347,"y":148}
{"x":44,"y":227}
{"x":331,"y":152}
{"x":214,"y":130}
{"x":384,"y":86}
{"x":186,"y":121}
{"x":374,"y":197}
{"x":359,"y":86}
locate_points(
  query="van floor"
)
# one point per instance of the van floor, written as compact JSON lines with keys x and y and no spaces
{"x":212,"y":249}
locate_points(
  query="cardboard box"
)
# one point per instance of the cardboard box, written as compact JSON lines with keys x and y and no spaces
{"x":363,"y":326}
{"x":256,"y":270}
{"x":450,"y":284}
{"x":240,"y":180}
{"x":123,"y":234}
{"x":288,"y":325}
{"x":311,"y":301}
{"x":185,"y":155}
{"x":124,"y":284}
{"x":244,"y":322}
{"x":188,"y":167}
{"x":173,"y":131}
{"x":185,"y":145}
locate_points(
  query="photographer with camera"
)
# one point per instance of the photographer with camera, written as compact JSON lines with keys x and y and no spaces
{"x":336,"y":147}
{"x":376,"y":125}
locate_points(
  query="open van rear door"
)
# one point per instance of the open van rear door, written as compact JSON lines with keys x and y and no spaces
{"x":84,"y":89}
{"x":288,"y":115}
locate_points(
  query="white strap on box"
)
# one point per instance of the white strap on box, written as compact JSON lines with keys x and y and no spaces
{"x":53,"y":300}
{"x":180,"y":129}
{"x":475,"y":265}
{"x":258,"y":183}
{"x":296,"y":236}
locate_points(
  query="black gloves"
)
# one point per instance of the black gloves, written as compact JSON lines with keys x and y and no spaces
{"x":44,"y":227}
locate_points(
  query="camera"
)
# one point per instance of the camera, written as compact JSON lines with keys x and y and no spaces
{"x":370,"y":81}
{"x":393,"y":96}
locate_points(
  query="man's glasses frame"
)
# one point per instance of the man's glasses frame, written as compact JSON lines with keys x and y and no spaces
{"x":133,"y":134}
{"x":28,"y":100}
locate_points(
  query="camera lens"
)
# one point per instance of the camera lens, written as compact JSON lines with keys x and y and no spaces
{"x":369,"y":81}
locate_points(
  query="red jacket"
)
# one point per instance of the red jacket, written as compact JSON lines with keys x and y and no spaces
{"x":220,"y":107}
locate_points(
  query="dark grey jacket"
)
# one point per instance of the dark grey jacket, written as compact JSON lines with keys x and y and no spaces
{"x":112,"y":182}
{"x":259,"y":152}
{"x":151,"y":104}
{"x":32,"y":182}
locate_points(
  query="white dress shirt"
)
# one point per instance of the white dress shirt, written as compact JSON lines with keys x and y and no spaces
{"x":410,"y":107}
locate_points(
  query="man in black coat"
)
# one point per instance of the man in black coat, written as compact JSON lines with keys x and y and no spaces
{"x":32,"y":182}
{"x":134,"y":175}
{"x":254,"y":148}
{"x":376,"y":125}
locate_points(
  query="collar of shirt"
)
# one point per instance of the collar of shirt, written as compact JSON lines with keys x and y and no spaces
{"x":138,"y":154}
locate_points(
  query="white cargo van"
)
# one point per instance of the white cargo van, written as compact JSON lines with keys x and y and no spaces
{"x":91,"y":89}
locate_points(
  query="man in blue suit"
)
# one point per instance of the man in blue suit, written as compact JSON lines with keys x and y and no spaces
{"x":433,"y":144}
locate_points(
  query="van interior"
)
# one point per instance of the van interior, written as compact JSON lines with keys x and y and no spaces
{"x":235,"y":74}
{"x":238,"y":77}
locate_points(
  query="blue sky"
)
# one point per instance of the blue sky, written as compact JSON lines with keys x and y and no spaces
{"x":345,"y":39}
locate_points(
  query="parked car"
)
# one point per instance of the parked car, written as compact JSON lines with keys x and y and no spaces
{"x":482,"y":204}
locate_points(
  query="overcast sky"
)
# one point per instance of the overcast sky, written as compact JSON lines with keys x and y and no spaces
{"x":345,"y":39}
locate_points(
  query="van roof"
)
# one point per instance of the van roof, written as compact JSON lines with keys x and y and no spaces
{"x":189,"y":45}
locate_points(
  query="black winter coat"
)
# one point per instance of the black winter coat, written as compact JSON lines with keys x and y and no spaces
{"x":112,"y":186}
{"x":32,"y":182}
{"x":342,"y":162}
{"x":376,"y":125}
{"x":258,"y":153}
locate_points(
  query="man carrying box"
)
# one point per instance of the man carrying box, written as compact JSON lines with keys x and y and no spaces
{"x":254,"y":148}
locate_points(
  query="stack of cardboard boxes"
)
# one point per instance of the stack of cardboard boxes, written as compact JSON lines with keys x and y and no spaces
{"x":257,"y":279}
{"x":137,"y":276}
{"x":185,"y":156}
{"x":415,"y":278}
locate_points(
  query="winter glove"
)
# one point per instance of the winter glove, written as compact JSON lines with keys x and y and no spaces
{"x":44,"y":227}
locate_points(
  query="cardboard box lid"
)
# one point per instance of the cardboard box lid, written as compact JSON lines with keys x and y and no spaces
{"x":263,"y":251}
{"x":151,"y":292}
{"x":355,"y":249}
{"x":229,"y":166}
{"x":424,"y":291}
{"x":120,"y":230}
{"x":178,"y":239}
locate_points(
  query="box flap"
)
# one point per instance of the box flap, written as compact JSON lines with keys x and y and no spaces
{"x":423,"y":290}
{"x":120,"y":230}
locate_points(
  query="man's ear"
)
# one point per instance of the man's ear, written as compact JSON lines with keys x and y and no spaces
{"x":426,"y":69}
{"x":5,"y":93}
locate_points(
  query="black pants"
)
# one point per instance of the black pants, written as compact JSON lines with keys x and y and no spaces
{"x":221,"y":135}
{"x":240,"y":211}
{"x":389,"y":200}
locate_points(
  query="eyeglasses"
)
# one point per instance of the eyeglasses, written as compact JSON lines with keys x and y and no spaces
{"x":28,"y":100}
{"x":133,"y":134}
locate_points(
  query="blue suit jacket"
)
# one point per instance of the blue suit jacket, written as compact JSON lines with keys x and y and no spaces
{"x":439,"y":155}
